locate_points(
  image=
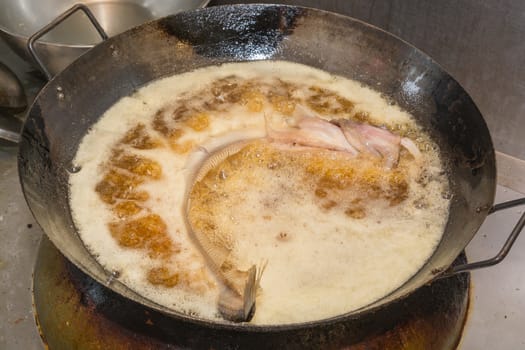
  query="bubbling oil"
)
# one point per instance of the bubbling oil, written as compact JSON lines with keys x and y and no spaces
{"x":338,"y":232}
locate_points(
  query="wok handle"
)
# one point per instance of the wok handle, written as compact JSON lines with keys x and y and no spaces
{"x":10,"y":127}
{"x":33,"y":38}
{"x":506,"y":246}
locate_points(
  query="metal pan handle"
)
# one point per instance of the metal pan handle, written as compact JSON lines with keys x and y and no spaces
{"x":506,"y":246}
{"x":10,"y":128}
{"x":33,"y":38}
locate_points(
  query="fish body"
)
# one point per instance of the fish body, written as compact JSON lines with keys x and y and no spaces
{"x":237,"y":299}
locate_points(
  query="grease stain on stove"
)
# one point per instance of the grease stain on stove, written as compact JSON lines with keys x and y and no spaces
{"x":67,"y":301}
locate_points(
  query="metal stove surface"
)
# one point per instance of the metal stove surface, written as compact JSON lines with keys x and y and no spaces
{"x":74,"y":311}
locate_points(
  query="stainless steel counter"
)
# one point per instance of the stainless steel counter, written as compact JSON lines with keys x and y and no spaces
{"x":496,"y":316}
{"x":20,"y":237}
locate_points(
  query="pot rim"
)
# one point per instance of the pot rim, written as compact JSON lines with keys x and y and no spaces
{"x":58,"y":45}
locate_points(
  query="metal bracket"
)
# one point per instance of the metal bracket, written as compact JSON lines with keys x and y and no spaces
{"x":33,"y":38}
{"x":506,"y":246}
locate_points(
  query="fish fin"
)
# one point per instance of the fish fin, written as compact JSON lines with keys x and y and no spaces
{"x":411,"y":147}
{"x":217,"y":254}
{"x":215,"y":158}
{"x":250,"y":291}
{"x":234,"y":278}
{"x":260,"y":271}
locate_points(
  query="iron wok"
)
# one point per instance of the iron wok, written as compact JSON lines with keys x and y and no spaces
{"x":76,"y":98}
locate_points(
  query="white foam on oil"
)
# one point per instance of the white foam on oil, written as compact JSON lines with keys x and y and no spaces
{"x":328,"y":262}
{"x":337,"y":266}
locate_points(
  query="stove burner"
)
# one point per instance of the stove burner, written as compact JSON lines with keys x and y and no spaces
{"x":74,"y":311}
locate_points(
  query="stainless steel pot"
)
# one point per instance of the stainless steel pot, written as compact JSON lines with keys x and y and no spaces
{"x":75,"y":99}
{"x":19,"y":20}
